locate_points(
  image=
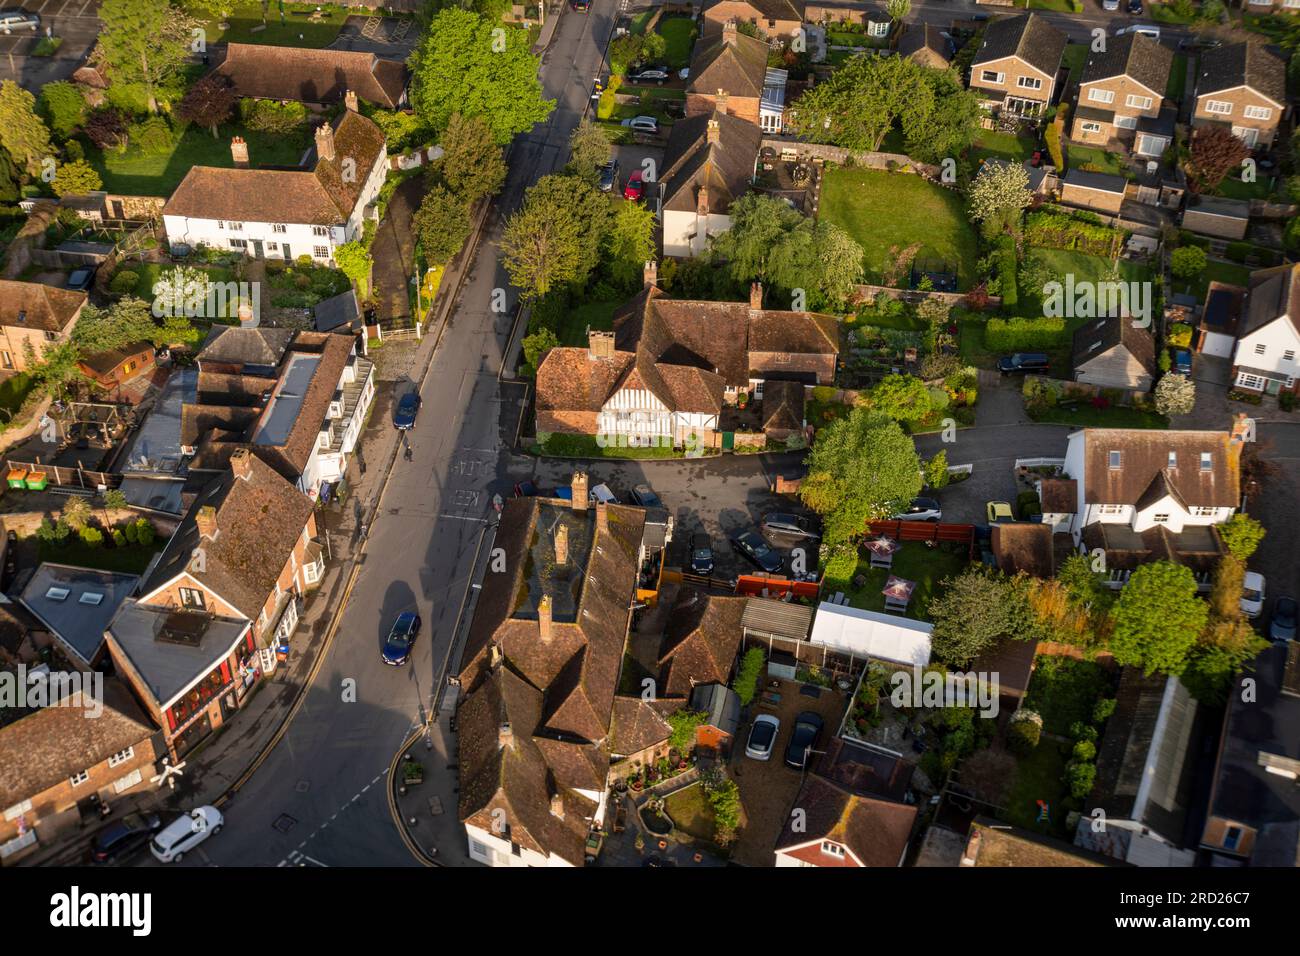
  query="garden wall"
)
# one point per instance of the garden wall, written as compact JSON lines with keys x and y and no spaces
{"x":25,"y":523}
{"x":1085,"y":391}
{"x":913,"y":296}
{"x":837,"y":154}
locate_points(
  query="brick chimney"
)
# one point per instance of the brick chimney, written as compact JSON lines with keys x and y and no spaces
{"x":561,"y":545}
{"x":756,"y":295}
{"x":650,"y":273}
{"x":702,"y":201}
{"x":241,"y":463}
{"x":325,"y":141}
{"x":544,"y":619}
{"x":729,"y":32}
{"x":557,"y":806}
{"x":1241,"y":428}
{"x":721,"y":105}
{"x":206,"y":521}
{"x":580,"y":486}
{"x":247,"y":317}
{"x":714,"y":134}
{"x":602,"y":517}
{"x":239,"y":152}
{"x":600,"y":345}
{"x":505,"y":736}
{"x":350,"y":100}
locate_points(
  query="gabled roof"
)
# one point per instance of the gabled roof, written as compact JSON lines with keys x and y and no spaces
{"x":1024,"y":546}
{"x":312,"y":76}
{"x":1136,"y":56}
{"x":32,"y":305}
{"x":997,"y":844}
{"x":731,"y":62}
{"x":700,"y":642}
{"x":1273,"y":294}
{"x":724,"y":168}
{"x":770,"y":9}
{"x":924,"y":43}
{"x":1144,"y":459}
{"x":233,"y":345}
{"x":874,"y":831}
{"x":638,"y":723}
{"x":1099,"y":336}
{"x":1029,"y":38}
{"x":1242,"y":64}
{"x":324,"y":194}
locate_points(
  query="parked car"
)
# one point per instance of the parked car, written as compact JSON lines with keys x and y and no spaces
{"x":791,"y":526}
{"x":762,"y":737}
{"x":11,"y":20}
{"x":1023,"y":362}
{"x":1252,"y":594}
{"x":580,"y":6}
{"x":408,"y":406}
{"x":635,"y":187}
{"x":609,"y":176}
{"x":921,"y":509}
{"x":1111,"y":6}
{"x":642,"y":124}
{"x":400,"y":640}
{"x":1145,"y":29}
{"x":185,"y":833}
{"x":807,"y":728}
{"x":1281,"y":627}
{"x":124,"y":837}
{"x":601,"y":495}
{"x":1135,"y":7}
{"x":1181,"y":361}
{"x":650,"y":74}
{"x":1199,"y":43}
{"x":758,"y":552}
{"x":80,"y":279}
{"x":646,"y":498}
{"x":701,"y":554}
{"x":529,"y":489}
{"x":999,"y":512}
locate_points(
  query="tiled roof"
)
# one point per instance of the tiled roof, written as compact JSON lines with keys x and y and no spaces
{"x":875,"y":831}
{"x":1024,"y":546}
{"x":996,"y":844}
{"x":1111,"y":332}
{"x":312,"y":76}
{"x":925,"y":43}
{"x":1133,"y":55}
{"x":701,"y":640}
{"x":736,"y":66}
{"x":639,"y":723}
{"x":1029,"y":38}
{"x":1242,"y":64}
{"x":724,"y":168}
{"x":1059,"y":495}
{"x":32,"y":305}
{"x":772,"y":9}
{"x":1273,"y":293}
{"x":1144,"y":455}
{"x":236,"y":346}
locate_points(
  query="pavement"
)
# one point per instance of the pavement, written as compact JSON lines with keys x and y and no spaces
{"x":75,"y":21}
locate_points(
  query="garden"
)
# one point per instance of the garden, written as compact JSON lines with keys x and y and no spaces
{"x":284,"y":24}
{"x":76,"y":538}
{"x":850,"y":572}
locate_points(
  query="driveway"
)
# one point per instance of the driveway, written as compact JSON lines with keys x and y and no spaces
{"x":394,"y":253}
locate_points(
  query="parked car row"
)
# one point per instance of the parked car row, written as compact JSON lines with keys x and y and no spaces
{"x":125,"y":837}
{"x":803,"y":739}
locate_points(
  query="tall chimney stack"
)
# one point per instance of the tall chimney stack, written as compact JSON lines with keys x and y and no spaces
{"x":505,"y":736}
{"x":241,"y":463}
{"x":350,"y":100}
{"x":580,"y":483}
{"x":206,"y":522}
{"x":756,"y":295}
{"x":602,"y":517}
{"x":714,"y":133}
{"x":325,"y":141}
{"x":721,"y":101}
{"x":650,"y":273}
{"x":702,"y":201}
{"x":557,"y":806}
{"x":544,"y":619}
{"x":729,"y":32}
{"x":561,"y":545}
{"x":239,"y":152}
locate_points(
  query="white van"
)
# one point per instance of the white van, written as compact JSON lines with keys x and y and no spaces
{"x":1143,"y":28}
{"x":185,"y":833}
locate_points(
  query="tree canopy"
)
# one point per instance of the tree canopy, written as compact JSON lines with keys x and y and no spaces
{"x":555,"y":237}
{"x":1157,"y":618}
{"x":471,"y":164}
{"x":146,"y":46}
{"x":975,"y":610}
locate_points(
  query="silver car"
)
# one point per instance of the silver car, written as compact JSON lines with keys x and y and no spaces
{"x":11,"y":20}
{"x":642,"y":124}
{"x":762,"y":737}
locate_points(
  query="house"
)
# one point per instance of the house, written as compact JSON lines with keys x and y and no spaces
{"x":990,"y":843}
{"x":1217,"y":216}
{"x":1115,"y":352}
{"x":870,"y":634}
{"x":783,"y":410}
{"x":639,"y":732}
{"x":774,"y":18}
{"x":1122,"y":96}
{"x":1241,"y":87}
{"x":924,"y":43}
{"x":1254,"y":807}
{"x":284,"y":213}
{"x":537,"y":686}
{"x":1100,"y":192}
{"x":728,"y":73}
{"x":1014,"y":70}
{"x":667,"y":370}
{"x":1145,"y":774}
{"x":117,"y":367}
{"x":62,"y":761}
{"x":841,"y":828}
{"x":1217,"y":331}
{"x":771,"y":108}
{"x":297,"y":399}
{"x":700,"y":643}
{"x":33,"y":318}
{"x":708,"y":165}
{"x":1150,"y":495}
{"x":316,"y":78}
{"x":75,"y":605}
{"x":1268,"y":333}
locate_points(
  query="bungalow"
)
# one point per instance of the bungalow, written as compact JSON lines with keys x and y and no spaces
{"x":1122,"y":96}
{"x":1115,"y":353}
{"x":708,"y":165}
{"x":316,"y":78}
{"x":1014,"y":70}
{"x":33,"y":318}
{"x":1242,"y":87}
{"x":924,"y":43}
{"x":1268,"y":333}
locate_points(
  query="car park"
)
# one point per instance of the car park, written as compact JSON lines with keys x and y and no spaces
{"x":11,"y":20}
{"x":921,"y":509}
{"x":753,"y":548}
{"x":1252,"y":594}
{"x":609,"y":176}
{"x":999,"y":512}
{"x":408,"y":406}
{"x":642,"y":124}
{"x":185,"y":833}
{"x":645,"y":497}
{"x":400,"y":640}
{"x":635,"y":187}
{"x":790,"y":526}
{"x":1022,"y":362}
{"x":124,"y":837}
{"x":701,"y":554}
{"x":807,"y":728}
{"x":762,"y":737}
{"x":1282,"y":623}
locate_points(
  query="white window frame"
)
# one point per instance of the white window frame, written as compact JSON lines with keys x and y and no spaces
{"x":1218,"y":107}
{"x":1114,"y":460}
{"x":1288,"y":355}
{"x":1096,"y":95}
{"x":1029,"y":83}
{"x":1126,"y":122}
{"x":121,"y":757}
{"x":320,"y":231}
{"x":78,"y":778}
{"x":1261,"y":348}
{"x":992,"y":76}
{"x":122,"y":784}
{"x":1139,"y":102}
{"x":1207,"y":461}
{"x":1258,"y":112}
{"x":1089,"y":126}
{"x":279,"y":227}
{"x":321,"y":252}
{"x":17,"y":810}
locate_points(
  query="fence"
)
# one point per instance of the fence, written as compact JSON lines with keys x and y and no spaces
{"x":933,"y":531}
{"x":793,"y":149}
{"x":754,"y":585}
{"x":913,"y":296}
{"x":1039,"y":462}
{"x":62,"y":476}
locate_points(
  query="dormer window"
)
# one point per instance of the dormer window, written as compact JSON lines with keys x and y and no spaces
{"x":1116,"y":460}
{"x":1173,"y":459}
{"x":1207,"y":461}
{"x":833,"y":849}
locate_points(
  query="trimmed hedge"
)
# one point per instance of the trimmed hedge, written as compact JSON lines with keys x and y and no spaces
{"x":1057,"y":230}
{"x":1006,"y":265}
{"x":1025,"y":335}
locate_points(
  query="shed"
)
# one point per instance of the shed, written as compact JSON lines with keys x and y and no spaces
{"x":1097,"y":191}
{"x":722,"y":707}
{"x":883,"y":637}
{"x":1214,"y":216}
{"x":767,"y":618}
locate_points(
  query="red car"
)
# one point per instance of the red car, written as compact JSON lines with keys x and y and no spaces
{"x":635,"y":188}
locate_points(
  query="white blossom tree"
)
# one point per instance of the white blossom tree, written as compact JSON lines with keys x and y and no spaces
{"x":1175,"y":394}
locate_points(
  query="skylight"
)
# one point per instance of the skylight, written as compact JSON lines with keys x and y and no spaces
{"x":57,"y":594}
{"x":91,"y":597}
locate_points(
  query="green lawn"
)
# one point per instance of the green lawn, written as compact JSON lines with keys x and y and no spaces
{"x":14,"y":391}
{"x":596,"y":315}
{"x":691,"y":813}
{"x":887,"y":212}
{"x":1040,"y":776}
{"x":1162,"y":13}
{"x":1177,"y":79}
{"x":1060,"y":6}
{"x":1075,"y":58}
{"x":913,"y":562}
{"x":1094,"y":159}
{"x":1064,"y":690}
{"x":992,"y":144}
{"x":1087,"y":415}
{"x":679,"y":34}
{"x":584,"y":446}
{"x":297,"y":28}
{"x":135,"y":173}
{"x":1233,"y":188}
{"x":1229,"y":273}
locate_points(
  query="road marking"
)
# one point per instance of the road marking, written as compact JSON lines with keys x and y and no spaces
{"x":462,"y":517}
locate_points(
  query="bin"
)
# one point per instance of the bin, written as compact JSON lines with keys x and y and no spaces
{"x":37,"y":480}
{"x":18,"y":478}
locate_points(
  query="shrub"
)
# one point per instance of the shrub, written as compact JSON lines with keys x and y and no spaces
{"x":268,"y":116}
{"x":152,"y":136}
{"x":1084,"y":750}
{"x":1187,"y":262}
{"x":1080,"y":777}
{"x":144,"y":532}
{"x":1054,"y":229}
{"x":91,"y":537}
{"x":124,"y":282}
{"x":1024,"y":334}
{"x":119,"y":539}
{"x":131,"y":532}
{"x":745,"y":683}
{"x":1238,"y":251}
{"x":1006,"y":266}
{"x":840,"y":568}
{"x":1180,"y":335}
{"x":1024,"y":731}
{"x":936,"y":470}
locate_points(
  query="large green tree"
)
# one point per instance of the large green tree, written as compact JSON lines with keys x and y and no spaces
{"x":629,"y":243}
{"x":1157,"y":618}
{"x":975,"y":610}
{"x":468,"y":64}
{"x":471,"y":165}
{"x":947,"y":127}
{"x":998,"y":197}
{"x":146,"y":45}
{"x":858,"y":106}
{"x":63,"y":106}
{"x":22,"y":132}
{"x":588,"y":150}
{"x":862,"y":468}
{"x":555,"y":238}
{"x":442,"y":224}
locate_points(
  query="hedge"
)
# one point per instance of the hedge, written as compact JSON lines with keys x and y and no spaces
{"x":1056,"y":230}
{"x":1025,"y":335}
{"x":1007,"y":264}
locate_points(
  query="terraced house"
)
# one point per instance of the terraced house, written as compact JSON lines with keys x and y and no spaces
{"x":708,"y":165}
{"x":1122,"y":97}
{"x":1241,"y":87}
{"x":1015,"y":70}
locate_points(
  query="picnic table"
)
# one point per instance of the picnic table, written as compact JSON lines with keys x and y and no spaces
{"x":898,"y":593}
{"x":882,"y":551}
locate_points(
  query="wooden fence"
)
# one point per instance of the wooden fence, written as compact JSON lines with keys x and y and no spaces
{"x":62,"y":476}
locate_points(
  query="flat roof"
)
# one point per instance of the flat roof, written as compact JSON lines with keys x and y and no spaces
{"x":282,"y":411}
{"x":169,"y":648}
{"x":885,"y":637}
{"x":157,"y":444}
{"x":77,"y":604}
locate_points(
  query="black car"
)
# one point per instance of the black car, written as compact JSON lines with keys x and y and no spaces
{"x":124,"y":837}
{"x":643,"y":496}
{"x":609,"y":176}
{"x":81,"y":279}
{"x":397,"y":647}
{"x":701,"y":555}
{"x":807,"y":728}
{"x":407,"y":408}
{"x":1281,"y":626}
{"x":791,"y":526}
{"x":758,"y":552}
{"x":1135,"y":6}
{"x":1023,"y":362}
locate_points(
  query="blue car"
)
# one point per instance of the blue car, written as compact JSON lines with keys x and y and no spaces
{"x":1182,"y":363}
{"x":397,"y":647}
{"x":407,"y":409}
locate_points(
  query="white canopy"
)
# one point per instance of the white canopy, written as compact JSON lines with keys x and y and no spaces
{"x":885,"y":637}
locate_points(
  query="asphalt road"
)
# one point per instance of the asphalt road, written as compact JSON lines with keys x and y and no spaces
{"x":324,"y":783}
{"x":75,"y":21}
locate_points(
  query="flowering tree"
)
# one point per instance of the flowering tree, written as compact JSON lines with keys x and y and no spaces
{"x":1175,"y":394}
{"x":181,"y":291}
